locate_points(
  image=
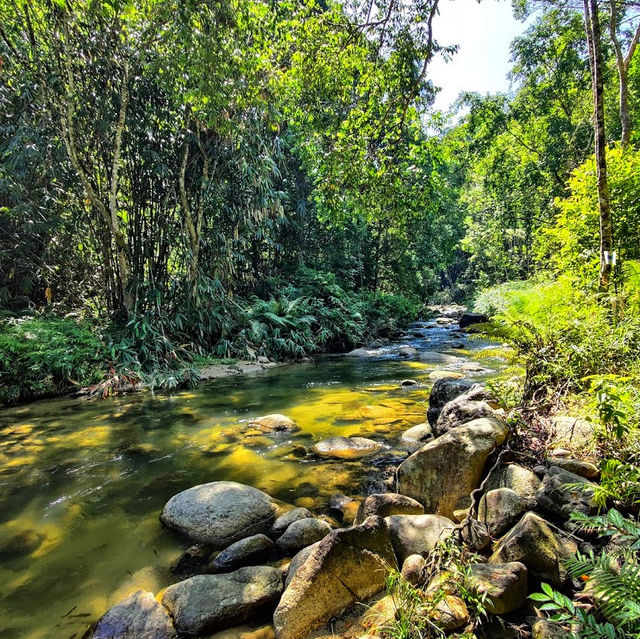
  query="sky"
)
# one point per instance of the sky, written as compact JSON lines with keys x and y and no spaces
{"x":483,"y":33}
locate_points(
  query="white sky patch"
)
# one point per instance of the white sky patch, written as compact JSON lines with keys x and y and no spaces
{"x":483,"y":32}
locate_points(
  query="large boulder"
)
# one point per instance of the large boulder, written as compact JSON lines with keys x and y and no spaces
{"x":532,"y":542}
{"x":345,"y":447}
{"x":474,"y":404}
{"x":519,"y":479}
{"x":562,"y":493}
{"x":571,"y":431}
{"x":417,"y":534}
{"x":274,"y":423}
{"x":443,"y":391}
{"x":349,"y":565}
{"x":407,"y":351}
{"x":252,"y":550}
{"x":500,"y":509}
{"x":472,"y":319}
{"x":219,"y":513}
{"x":386,"y":504}
{"x":302,"y":533}
{"x":139,"y":616}
{"x":442,"y":474}
{"x":207,"y":603}
{"x":284,"y":521}
{"x":504,"y":584}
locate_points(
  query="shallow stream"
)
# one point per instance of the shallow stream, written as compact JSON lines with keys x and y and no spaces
{"x":82,"y":483}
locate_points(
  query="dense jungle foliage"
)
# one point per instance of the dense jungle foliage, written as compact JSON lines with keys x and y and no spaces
{"x":181,"y":182}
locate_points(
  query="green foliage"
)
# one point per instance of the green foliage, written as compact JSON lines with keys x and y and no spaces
{"x":45,"y":355}
{"x":571,"y":243}
{"x":449,"y":563}
{"x":564,"y":333}
{"x":612,"y":578}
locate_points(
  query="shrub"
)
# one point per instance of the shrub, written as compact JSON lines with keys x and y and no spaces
{"x":43,"y":356}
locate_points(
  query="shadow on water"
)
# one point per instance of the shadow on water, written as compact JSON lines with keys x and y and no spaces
{"x":82,"y":483}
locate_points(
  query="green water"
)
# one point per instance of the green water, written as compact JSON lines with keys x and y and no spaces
{"x":82,"y":483}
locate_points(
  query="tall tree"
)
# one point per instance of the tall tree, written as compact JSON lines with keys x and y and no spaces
{"x":594,"y":41}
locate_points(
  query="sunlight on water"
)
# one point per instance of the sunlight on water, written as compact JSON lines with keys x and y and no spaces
{"x":82,"y":483}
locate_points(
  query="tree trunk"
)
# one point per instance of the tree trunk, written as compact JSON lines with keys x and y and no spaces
{"x":592,"y":25}
{"x":622,"y":63}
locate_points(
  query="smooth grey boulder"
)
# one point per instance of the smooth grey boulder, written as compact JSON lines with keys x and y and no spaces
{"x":504,"y":584}
{"x":251,"y":550}
{"x":533,"y":542}
{"x":206,"y":603}
{"x":435,"y":357}
{"x":413,"y":569}
{"x":572,"y":431}
{"x":443,"y":391}
{"x":562,"y":493}
{"x":345,"y":447}
{"x":407,"y":351}
{"x":386,"y":504}
{"x":443,"y":473}
{"x":284,"y":521}
{"x":348,"y":566}
{"x":500,"y":509}
{"x":219,"y":513}
{"x":301,"y":533}
{"x":519,"y":479}
{"x":417,"y":435}
{"x":417,"y":534}
{"x":471,"y":405}
{"x":139,"y":616}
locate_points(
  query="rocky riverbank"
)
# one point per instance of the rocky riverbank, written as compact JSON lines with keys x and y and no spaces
{"x":464,"y":521}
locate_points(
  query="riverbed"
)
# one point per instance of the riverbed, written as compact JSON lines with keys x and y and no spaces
{"x":82,"y":482}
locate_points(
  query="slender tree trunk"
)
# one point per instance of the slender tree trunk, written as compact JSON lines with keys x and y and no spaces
{"x":109,"y":214}
{"x":594,"y":41}
{"x":622,"y":63}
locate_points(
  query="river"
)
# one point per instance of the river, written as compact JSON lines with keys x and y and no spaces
{"x":82,"y":482}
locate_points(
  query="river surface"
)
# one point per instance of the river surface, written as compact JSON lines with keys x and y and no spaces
{"x":82,"y":483}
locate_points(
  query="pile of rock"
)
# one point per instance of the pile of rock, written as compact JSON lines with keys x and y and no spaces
{"x":237,"y":569}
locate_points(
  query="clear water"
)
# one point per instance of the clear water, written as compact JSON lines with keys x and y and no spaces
{"x":82,"y":483}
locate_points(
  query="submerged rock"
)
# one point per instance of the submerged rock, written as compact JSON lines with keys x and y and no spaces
{"x":347,"y":566}
{"x":302,"y":533}
{"x":219,"y":513}
{"x":214,"y":602}
{"x":417,"y":534}
{"x":139,"y":616}
{"x":386,"y":504}
{"x":443,"y":473}
{"x":345,"y":447}
{"x":251,"y":550}
{"x":274,"y":423}
{"x":532,"y":542}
